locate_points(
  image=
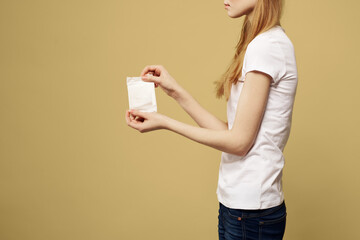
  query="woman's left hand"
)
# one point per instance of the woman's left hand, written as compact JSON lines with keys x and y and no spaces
{"x":145,"y":121}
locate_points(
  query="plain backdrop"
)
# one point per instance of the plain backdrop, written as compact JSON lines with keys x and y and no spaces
{"x":70,"y":167}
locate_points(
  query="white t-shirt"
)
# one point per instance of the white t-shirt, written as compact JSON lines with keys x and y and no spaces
{"x":254,"y":181}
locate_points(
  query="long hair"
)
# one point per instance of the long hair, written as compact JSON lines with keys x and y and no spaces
{"x":266,"y":14}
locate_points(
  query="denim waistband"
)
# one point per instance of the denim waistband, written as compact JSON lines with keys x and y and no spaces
{"x":253,"y":213}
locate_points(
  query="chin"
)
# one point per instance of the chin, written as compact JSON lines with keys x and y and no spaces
{"x":235,"y":15}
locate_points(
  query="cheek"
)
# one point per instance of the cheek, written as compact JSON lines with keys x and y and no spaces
{"x":240,"y":8}
{"x":244,"y":7}
{"x":253,"y":3}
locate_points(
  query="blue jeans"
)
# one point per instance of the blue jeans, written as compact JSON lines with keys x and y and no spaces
{"x":264,"y":224}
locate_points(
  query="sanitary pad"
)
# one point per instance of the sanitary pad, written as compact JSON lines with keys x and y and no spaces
{"x":141,"y":95}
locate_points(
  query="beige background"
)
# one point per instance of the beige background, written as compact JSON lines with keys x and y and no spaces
{"x":71,"y":168}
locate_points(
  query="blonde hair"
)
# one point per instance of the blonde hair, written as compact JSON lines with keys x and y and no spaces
{"x":266,"y":14}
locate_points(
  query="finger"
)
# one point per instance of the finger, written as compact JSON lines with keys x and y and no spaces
{"x":131,"y":116}
{"x":138,"y":113}
{"x":152,"y":68}
{"x":150,"y":78}
{"x":134,"y":125}
{"x":139,"y":119}
{"x":127,"y":117}
{"x":158,"y":70}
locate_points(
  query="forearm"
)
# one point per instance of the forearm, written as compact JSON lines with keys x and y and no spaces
{"x":223,"y":140}
{"x":200,"y":115}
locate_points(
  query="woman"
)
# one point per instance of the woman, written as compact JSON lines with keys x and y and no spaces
{"x":260,"y":87}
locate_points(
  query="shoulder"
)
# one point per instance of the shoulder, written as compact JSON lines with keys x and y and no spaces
{"x":274,"y":42}
{"x":269,"y":52}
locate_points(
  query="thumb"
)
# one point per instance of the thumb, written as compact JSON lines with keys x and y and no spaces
{"x":151,"y":78}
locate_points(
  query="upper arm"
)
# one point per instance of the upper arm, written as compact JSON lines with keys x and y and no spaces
{"x":250,"y":109}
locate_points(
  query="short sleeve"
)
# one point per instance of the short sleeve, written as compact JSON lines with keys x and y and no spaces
{"x":264,"y":55}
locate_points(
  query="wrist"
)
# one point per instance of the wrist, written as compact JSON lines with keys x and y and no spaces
{"x":178,"y":93}
{"x":166,"y":122}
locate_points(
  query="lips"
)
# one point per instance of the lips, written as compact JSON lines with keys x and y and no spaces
{"x":226,"y":4}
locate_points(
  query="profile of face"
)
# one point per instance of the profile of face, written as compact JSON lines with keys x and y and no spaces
{"x":239,"y":8}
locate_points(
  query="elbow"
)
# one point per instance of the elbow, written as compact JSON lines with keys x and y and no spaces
{"x":242,"y":148}
{"x":239,"y":144}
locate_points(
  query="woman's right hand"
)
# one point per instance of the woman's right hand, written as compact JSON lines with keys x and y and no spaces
{"x":160,"y":77}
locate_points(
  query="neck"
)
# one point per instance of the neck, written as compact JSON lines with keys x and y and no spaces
{"x":250,"y":16}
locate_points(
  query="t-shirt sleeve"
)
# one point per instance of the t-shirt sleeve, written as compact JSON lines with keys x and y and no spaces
{"x":264,"y":55}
